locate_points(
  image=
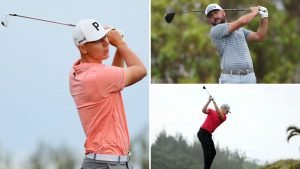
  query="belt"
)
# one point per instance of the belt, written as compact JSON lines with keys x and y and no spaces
{"x":107,"y":157}
{"x":237,"y":72}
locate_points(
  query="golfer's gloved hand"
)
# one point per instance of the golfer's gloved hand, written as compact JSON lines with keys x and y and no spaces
{"x":263,"y":12}
{"x":115,"y":38}
{"x":211,"y":98}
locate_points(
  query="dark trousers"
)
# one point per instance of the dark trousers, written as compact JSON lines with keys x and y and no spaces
{"x":209,"y":151}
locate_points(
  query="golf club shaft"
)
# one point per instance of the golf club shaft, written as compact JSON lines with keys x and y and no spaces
{"x":206,"y":90}
{"x":39,"y":19}
{"x":190,"y":11}
{"x":204,"y":10}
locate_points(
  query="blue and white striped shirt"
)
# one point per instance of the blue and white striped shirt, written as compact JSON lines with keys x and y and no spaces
{"x":232,"y":47}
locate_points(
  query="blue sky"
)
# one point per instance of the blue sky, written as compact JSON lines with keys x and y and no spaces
{"x":257,"y":125}
{"x":36,"y":58}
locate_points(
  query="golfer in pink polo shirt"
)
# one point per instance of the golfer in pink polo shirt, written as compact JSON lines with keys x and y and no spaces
{"x":213,"y":120}
{"x":96,"y":90}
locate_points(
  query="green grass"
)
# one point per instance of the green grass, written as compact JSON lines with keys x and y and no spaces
{"x":283,"y":164}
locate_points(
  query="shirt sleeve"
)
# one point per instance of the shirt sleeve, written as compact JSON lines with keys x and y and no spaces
{"x":111,"y":79}
{"x":209,"y":111}
{"x":219,"y":31}
{"x":246,"y":32}
{"x":225,"y":117}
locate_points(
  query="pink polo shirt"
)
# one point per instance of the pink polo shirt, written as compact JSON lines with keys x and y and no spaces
{"x":96,"y":90}
{"x":212,"y":121}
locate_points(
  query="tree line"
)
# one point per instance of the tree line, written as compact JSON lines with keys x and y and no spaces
{"x":173,"y":152}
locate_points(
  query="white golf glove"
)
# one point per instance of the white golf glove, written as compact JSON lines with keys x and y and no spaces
{"x":263,"y":12}
{"x":211,"y":98}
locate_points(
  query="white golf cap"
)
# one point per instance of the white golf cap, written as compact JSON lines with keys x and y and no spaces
{"x":88,"y":30}
{"x":226,"y":107}
{"x":212,"y":7}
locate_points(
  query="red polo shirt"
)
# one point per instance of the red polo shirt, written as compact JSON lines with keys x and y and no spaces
{"x":212,"y":121}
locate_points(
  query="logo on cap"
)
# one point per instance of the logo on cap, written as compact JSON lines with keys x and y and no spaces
{"x":83,"y":39}
{"x":96,"y":25}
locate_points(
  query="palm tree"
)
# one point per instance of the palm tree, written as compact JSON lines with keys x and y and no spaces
{"x":293,"y":131}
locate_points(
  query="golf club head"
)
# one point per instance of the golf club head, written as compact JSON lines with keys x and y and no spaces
{"x":169,"y":17}
{"x":204,"y":87}
{"x":4,"y":21}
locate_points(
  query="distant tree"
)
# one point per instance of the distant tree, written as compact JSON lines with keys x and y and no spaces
{"x":38,"y":160}
{"x":45,"y":157}
{"x":292,"y":131}
{"x":169,"y":152}
{"x":62,"y":157}
{"x":5,"y":160}
{"x":140,"y":149}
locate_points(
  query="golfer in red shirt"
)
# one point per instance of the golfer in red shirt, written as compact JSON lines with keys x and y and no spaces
{"x":213,"y":120}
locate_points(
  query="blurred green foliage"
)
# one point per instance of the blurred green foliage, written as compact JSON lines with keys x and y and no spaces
{"x":283,"y":164}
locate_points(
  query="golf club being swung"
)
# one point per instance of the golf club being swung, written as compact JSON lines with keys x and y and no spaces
{"x":4,"y":22}
{"x":206,"y":90}
{"x":170,"y":16}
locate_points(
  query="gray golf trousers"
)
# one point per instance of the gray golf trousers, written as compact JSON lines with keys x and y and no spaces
{"x":98,"y":164}
{"x":228,"y":78}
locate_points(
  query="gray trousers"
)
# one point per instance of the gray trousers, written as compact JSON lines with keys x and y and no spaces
{"x":228,"y":78}
{"x":98,"y":164}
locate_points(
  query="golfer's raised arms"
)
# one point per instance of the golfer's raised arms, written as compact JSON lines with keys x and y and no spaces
{"x":243,"y":20}
{"x":204,"y":109}
{"x":118,"y":60}
{"x":135,"y":69}
{"x":261,"y":33}
{"x":220,"y":114}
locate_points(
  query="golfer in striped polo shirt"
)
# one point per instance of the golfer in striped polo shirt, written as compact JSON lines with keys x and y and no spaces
{"x":231,"y":41}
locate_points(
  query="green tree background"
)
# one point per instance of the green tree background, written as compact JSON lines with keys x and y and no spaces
{"x":173,"y":152}
{"x":169,"y":152}
{"x":182,"y":52}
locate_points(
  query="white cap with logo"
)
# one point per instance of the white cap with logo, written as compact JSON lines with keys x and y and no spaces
{"x":212,"y":7}
{"x":88,"y":30}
